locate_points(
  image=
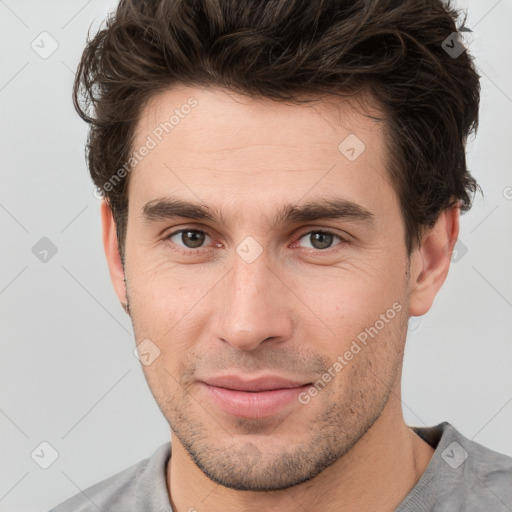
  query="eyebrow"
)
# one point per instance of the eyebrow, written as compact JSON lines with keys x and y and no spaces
{"x":167,"y":208}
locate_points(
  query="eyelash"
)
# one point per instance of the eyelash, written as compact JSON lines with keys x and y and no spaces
{"x":185,"y":251}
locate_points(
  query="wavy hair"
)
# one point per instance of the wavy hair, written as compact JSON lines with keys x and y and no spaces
{"x":284,"y":50}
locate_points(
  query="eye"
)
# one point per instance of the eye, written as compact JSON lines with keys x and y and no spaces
{"x":188,"y":238}
{"x":191,"y":239}
{"x":320,"y":239}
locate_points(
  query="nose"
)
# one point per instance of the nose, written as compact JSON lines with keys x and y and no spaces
{"x":254,"y":306}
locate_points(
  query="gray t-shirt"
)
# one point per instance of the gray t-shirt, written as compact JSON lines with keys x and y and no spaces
{"x":462,"y":476}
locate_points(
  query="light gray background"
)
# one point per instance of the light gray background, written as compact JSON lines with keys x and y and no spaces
{"x":68,"y":375}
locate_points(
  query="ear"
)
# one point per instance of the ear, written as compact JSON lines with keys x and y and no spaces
{"x":110,"y":245}
{"x":430,"y":262}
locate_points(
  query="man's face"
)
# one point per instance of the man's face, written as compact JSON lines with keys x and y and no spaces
{"x":257,"y":297}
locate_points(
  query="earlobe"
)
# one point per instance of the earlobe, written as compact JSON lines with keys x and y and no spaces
{"x":110,"y":245}
{"x":431,"y":261}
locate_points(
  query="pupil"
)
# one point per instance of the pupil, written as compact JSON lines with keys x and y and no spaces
{"x":192,"y":239}
{"x":324,"y":240}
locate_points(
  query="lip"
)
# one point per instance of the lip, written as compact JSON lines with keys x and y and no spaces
{"x":252,"y":398}
{"x":266,"y":383}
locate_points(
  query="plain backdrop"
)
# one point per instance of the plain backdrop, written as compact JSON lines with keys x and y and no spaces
{"x":68,"y":374}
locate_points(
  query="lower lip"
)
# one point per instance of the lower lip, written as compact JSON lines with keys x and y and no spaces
{"x":259,"y":404}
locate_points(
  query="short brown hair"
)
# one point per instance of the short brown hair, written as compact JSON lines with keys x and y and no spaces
{"x":281,"y":49}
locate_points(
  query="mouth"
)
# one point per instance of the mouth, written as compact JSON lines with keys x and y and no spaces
{"x":255,"y":398}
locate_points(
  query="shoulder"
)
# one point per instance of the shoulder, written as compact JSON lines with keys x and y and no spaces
{"x":127,"y":490}
{"x":465,"y":473}
{"x":488,"y":476}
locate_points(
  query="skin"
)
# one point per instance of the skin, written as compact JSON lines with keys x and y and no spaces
{"x":291,"y":312}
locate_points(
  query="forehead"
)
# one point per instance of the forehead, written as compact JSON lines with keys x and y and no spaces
{"x":217,"y":146}
{"x":219,"y":118}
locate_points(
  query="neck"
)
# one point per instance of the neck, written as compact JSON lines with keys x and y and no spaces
{"x":376,"y":474}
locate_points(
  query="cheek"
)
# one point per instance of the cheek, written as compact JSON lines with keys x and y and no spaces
{"x":161,"y":291}
{"x":162,"y":311}
{"x":169,"y":373}
{"x":356,"y":297}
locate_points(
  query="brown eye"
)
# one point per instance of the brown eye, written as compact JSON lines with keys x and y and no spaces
{"x":320,"y":239}
{"x":188,"y":238}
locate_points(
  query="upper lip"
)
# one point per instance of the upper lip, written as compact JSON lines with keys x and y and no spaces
{"x":266,"y":383}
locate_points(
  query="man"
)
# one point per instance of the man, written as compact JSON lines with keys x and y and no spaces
{"x":282,"y":183}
